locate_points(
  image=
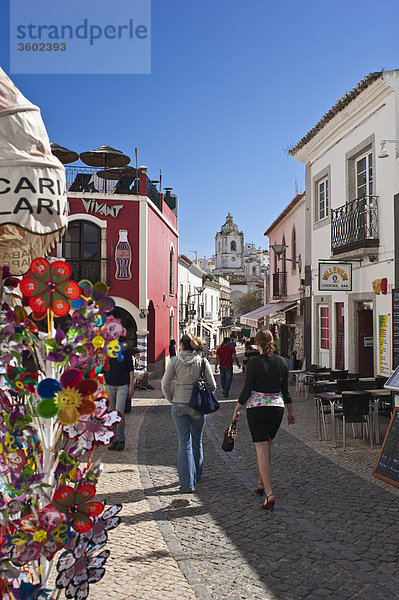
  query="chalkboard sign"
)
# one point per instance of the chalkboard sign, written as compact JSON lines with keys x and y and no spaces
{"x":387,"y":467}
{"x":395,"y":328}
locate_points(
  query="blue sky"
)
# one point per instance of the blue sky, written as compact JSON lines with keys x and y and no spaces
{"x":232,"y":85}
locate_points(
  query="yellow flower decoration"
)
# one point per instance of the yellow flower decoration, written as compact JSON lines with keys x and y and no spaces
{"x":40,"y":536}
{"x":68,"y":400}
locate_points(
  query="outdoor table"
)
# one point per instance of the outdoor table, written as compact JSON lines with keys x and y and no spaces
{"x":321,"y":375}
{"x":333,"y":399}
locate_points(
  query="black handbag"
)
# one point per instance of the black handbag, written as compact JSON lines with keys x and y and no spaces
{"x":202,"y":398}
{"x":229,"y":437}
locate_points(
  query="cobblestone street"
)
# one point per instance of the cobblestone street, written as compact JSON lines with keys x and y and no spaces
{"x":333,"y":532}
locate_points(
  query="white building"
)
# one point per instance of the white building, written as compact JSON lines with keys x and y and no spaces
{"x":204,"y":303}
{"x":352,"y":208}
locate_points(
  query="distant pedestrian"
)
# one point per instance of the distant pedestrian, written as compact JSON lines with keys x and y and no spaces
{"x":225,"y":355}
{"x":185,"y":368}
{"x":140,"y":374}
{"x":233,"y":341}
{"x":251,"y":351}
{"x":119,"y":385}
{"x":172,"y":348}
{"x":266,"y":391}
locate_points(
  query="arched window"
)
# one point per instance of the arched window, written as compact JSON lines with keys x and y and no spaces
{"x":275,"y":260}
{"x":233,"y":246}
{"x":171,"y":271}
{"x":254,"y":270}
{"x":293,"y":249}
{"x":82,"y":249}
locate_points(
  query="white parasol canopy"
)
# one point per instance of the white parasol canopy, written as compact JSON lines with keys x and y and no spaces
{"x":33,"y":203}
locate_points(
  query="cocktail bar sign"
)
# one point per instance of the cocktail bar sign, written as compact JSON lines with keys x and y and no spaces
{"x":335,"y":277}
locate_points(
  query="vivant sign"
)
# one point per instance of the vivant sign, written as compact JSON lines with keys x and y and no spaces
{"x":335,"y":277}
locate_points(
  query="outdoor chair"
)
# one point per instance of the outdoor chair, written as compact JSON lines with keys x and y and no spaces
{"x":123,"y":185}
{"x":355,"y":409}
{"x":336,"y":374}
{"x":323,"y":408}
{"x":346,"y":385}
{"x":81,"y":183}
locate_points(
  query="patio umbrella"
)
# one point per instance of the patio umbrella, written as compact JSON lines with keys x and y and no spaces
{"x":63,"y":154}
{"x":117,"y":173}
{"x":33,"y":216}
{"x":105,"y":157}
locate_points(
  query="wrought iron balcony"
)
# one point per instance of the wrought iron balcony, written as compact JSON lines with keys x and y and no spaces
{"x":227,"y":321}
{"x":279,"y":285}
{"x":355,"y":225}
{"x":93,"y":270}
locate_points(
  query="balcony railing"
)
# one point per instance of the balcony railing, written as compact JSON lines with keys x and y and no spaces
{"x":279,"y":285}
{"x":85,"y":179}
{"x":355,"y":225}
{"x":226,"y":321}
{"x":93,"y":270}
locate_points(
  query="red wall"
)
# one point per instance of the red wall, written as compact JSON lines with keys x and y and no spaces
{"x":160,"y":238}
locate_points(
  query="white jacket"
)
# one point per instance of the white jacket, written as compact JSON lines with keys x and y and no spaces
{"x":185,"y":368}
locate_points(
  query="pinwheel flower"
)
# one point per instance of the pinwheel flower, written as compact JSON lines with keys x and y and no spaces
{"x":98,"y":534}
{"x":21,"y":380}
{"x":94,"y":295}
{"x":48,"y":286}
{"x":95,"y":429}
{"x":69,"y":398}
{"x":77,"y":505}
{"x":112,"y":328}
{"x":62,"y":351}
{"x":79,"y":567}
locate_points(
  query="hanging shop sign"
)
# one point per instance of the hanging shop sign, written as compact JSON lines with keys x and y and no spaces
{"x":335,"y":277}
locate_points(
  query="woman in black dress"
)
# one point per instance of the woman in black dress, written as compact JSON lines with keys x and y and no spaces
{"x":266,"y":391}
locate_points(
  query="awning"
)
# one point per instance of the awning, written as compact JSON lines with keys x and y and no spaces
{"x":256,"y":317}
{"x":209,"y":328}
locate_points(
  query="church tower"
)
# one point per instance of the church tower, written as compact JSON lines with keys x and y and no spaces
{"x":229,"y":249}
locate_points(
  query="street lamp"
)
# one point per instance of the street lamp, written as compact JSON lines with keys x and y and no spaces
{"x":384,"y":152}
{"x":279,"y":250}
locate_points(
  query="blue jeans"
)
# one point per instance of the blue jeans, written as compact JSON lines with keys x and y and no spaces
{"x":226,"y":377}
{"x":117,"y":395}
{"x":190,"y":426}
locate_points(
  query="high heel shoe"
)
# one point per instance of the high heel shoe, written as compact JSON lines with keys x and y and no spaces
{"x":260,"y":489}
{"x":269,"y":504}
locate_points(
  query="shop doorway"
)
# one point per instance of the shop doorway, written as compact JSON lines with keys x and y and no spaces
{"x":129,"y":324}
{"x":365,"y":342}
{"x":340,"y":336}
{"x":324,"y":336}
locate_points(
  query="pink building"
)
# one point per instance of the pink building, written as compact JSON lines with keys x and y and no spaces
{"x":129,"y":240}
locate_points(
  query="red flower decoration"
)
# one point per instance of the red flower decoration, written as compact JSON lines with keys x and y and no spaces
{"x":48,"y":286}
{"x":77,"y":506}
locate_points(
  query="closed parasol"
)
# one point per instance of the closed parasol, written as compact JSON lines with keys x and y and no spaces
{"x":32,"y":183}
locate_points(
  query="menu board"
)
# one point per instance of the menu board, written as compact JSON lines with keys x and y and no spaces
{"x":395,"y":328}
{"x":387,"y":467}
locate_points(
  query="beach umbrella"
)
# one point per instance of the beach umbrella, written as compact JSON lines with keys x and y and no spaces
{"x":115,"y":173}
{"x":63,"y":154}
{"x":32,"y":183}
{"x":105,"y":157}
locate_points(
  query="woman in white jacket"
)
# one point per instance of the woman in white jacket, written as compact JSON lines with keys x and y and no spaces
{"x":185,"y":369}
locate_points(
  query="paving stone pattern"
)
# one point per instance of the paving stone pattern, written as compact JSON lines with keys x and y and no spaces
{"x":333,"y":533}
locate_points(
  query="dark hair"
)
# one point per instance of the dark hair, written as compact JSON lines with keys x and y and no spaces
{"x":226,"y":340}
{"x":135,"y":350}
{"x":172,"y":343}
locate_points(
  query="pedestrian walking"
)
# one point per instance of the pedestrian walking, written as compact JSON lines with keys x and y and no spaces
{"x":225,"y":355}
{"x":266,"y":391}
{"x":185,"y":368}
{"x":172,"y":348}
{"x":251,"y":351}
{"x":119,"y":384}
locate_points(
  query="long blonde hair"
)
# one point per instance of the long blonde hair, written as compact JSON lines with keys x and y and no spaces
{"x":191,"y":342}
{"x":265,"y":340}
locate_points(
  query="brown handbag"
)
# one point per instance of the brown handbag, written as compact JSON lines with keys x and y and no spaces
{"x":229,"y":437}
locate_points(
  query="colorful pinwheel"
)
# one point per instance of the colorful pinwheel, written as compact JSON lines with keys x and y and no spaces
{"x":77,"y":505}
{"x":94,"y":295}
{"x":48,"y":286}
{"x":79,"y":567}
{"x":21,"y":380}
{"x":95,"y":429}
{"x":69,"y":398}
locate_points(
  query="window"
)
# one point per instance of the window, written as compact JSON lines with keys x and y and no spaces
{"x":364,"y":176}
{"x":322,"y":200}
{"x":171,"y":271}
{"x":293,"y":249}
{"x":171,"y":326}
{"x":82,"y":249}
{"x":253,"y":270}
{"x":324,"y":328}
{"x":233,"y":246}
{"x":283,"y":257}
